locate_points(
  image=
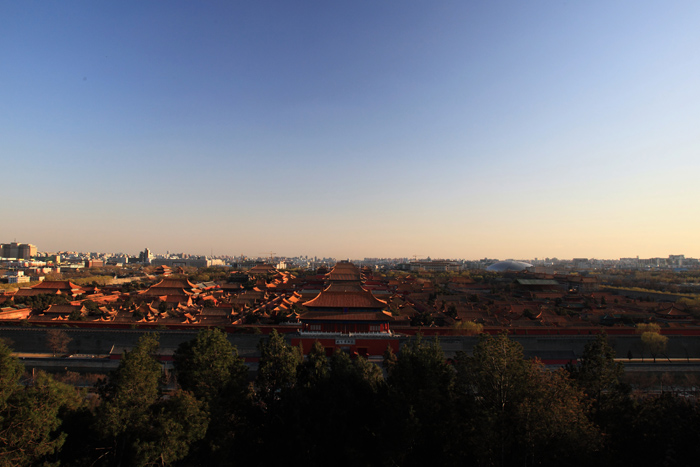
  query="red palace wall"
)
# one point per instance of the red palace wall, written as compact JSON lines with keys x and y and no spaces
{"x":368,"y":347}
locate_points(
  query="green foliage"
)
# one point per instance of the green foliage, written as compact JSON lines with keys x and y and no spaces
{"x":208,"y":364}
{"x":334,"y":411}
{"x":597,"y":370}
{"x":210,"y":368}
{"x":652,"y":338}
{"x":76,"y":315}
{"x":421,"y":387}
{"x":690,"y":302}
{"x":526,"y":414}
{"x":174,"y":425}
{"x":96,"y":281}
{"x":131,"y":389}
{"x":92,"y":307}
{"x":551,"y":423}
{"x":497,"y":371}
{"x":669,"y":426}
{"x":468,"y":328}
{"x":693,"y":305}
{"x":39,"y":303}
{"x":655,"y":342}
{"x":314,"y":369}
{"x":17,"y":286}
{"x":420,"y":370}
{"x":127,"y":303}
{"x":490,"y":408}
{"x":648,"y":327}
{"x":422,"y":319}
{"x":344,"y":370}
{"x":30,"y":417}
{"x":139,"y":426}
{"x":277,"y":369}
{"x":213,"y":273}
{"x":10,"y":372}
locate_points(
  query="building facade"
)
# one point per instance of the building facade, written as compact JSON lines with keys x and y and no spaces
{"x":16,"y":250}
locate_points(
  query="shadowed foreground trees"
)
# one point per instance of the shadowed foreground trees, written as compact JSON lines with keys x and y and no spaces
{"x":136,"y":424}
{"x":331,"y":413}
{"x":209,"y":367}
{"x":488,"y":408}
{"x":597,"y":372}
{"x":422,"y":398}
{"x":31,"y":414}
{"x":526,"y":415}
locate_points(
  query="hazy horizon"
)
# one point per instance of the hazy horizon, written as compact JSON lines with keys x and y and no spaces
{"x":499,"y":129}
{"x":264,"y":255}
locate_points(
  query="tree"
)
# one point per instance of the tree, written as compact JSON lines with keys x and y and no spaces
{"x":420,"y":371}
{"x":648,"y":327}
{"x":127,"y":396}
{"x":76,"y":315}
{"x":314,"y":369}
{"x":551,"y":421}
{"x":652,"y":338}
{"x":332,"y":412}
{"x":30,"y":416}
{"x":208,"y":365}
{"x":92,"y":307}
{"x":140,"y":427}
{"x":10,"y":372}
{"x":210,"y":368}
{"x":468,"y":328}
{"x":597,"y":370}
{"x":41,"y":302}
{"x":655,"y":342}
{"x":421,"y":385}
{"x":525,"y":414}
{"x":277,"y":368}
{"x":357,"y":371}
{"x":57,"y":341}
{"x":174,"y":425}
{"x":423,"y":318}
{"x":496,"y":371}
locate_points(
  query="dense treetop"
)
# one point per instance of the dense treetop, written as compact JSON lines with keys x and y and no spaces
{"x":488,"y":408}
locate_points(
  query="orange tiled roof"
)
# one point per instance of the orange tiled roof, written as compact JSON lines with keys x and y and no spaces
{"x":345,"y":295}
{"x":57,"y":285}
{"x":63,"y":309}
{"x":175,"y":282}
{"x":262,"y":269}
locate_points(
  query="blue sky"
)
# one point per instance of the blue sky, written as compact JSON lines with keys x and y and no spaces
{"x":505,"y":129}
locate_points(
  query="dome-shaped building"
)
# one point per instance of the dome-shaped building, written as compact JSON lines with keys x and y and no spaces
{"x":507,"y":266}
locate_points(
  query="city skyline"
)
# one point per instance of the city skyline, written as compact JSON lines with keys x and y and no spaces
{"x":500,"y":130}
{"x":270,"y":256}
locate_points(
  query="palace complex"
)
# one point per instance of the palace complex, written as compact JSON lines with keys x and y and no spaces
{"x":356,"y":309}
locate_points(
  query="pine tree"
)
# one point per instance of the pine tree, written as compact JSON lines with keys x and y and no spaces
{"x":277,"y":369}
{"x":209,"y":365}
{"x":139,"y":426}
{"x":30,"y":416}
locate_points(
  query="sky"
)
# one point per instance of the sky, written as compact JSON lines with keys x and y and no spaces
{"x":352,"y":129}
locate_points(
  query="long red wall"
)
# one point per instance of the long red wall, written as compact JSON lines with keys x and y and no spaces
{"x":282,"y":329}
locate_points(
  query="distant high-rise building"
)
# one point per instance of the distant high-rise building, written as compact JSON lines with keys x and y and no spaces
{"x":145,"y":256}
{"x":17,"y":250}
